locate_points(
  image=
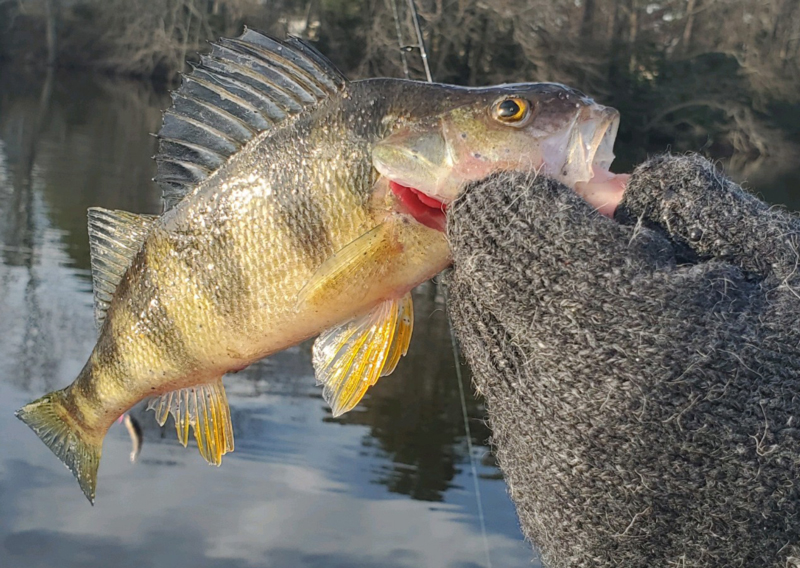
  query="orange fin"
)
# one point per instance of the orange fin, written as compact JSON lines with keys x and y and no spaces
{"x":204,"y":408}
{"x":350,"y":358}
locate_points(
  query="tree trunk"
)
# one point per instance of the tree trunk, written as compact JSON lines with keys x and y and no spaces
{"x":51,"y":31}
{"x":587,"y":22}
{"x":686,"y":39}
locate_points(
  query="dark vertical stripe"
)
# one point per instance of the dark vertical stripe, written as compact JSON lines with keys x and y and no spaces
{"x":142,"y":298}
{"x":227,"y":284}
{"x":106,"y":368}
{"x":303,"y":218}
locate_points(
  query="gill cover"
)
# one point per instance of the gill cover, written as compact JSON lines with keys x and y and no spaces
{"x":418,"y":156}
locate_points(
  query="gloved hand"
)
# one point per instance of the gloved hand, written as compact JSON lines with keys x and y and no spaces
{"x":641,"y":375}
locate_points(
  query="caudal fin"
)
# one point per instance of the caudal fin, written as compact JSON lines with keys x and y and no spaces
{"x":52,"y":422}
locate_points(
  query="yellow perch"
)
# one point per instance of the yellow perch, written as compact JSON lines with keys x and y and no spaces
{"x":296,"y":204}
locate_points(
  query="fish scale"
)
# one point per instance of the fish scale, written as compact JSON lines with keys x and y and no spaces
{"x":287,"y":192}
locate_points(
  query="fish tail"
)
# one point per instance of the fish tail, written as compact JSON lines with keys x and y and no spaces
{"x":52,"y":421}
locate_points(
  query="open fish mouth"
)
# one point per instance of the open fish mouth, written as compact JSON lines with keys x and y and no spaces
{"x":589,"y":154}
{"x":586,"y":146}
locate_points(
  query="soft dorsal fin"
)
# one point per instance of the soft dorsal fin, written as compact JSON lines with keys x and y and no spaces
{"x":114,"y":239}
{"x":244,"y":86}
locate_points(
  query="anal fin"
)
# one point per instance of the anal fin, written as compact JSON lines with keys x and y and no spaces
{"x":204,"y":408}
{"x":350,"y":358}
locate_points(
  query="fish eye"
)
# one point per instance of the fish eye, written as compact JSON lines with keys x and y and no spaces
{"x":512,"y":110}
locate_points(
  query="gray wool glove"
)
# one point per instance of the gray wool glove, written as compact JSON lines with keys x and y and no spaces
{"x":642,"y":376}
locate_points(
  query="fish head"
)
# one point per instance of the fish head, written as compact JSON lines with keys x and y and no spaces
{"x":543,"y":127}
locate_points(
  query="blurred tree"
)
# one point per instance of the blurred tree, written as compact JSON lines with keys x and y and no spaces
{"x":709,"y":73}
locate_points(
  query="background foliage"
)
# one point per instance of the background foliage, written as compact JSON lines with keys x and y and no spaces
{"x":722,"y":75}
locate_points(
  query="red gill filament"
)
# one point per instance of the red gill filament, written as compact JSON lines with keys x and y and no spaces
{"x":424,"y":208}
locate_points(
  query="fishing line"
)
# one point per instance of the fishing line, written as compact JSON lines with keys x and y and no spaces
{"x":419,"y":46}
{"x":467,"y":430}
{"x":468,"y":433}
{"x":420,"y":42}
{"x":397,"y":29}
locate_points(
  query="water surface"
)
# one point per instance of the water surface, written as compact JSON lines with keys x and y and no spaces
{"x":387,"y":485}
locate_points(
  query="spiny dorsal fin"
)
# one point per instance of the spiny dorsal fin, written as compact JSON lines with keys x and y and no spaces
{"x":244,"y":86}
{"x":114,"y":239}
{"x":204,"y":408}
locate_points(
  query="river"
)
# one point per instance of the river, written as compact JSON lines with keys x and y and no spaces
{"x":389,"y":484}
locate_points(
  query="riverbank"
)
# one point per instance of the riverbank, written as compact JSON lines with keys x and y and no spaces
{"x":678,"y":78}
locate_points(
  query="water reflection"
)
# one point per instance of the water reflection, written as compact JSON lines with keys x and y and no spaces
{"x":301,"y":489}
{"x":422,"y":436}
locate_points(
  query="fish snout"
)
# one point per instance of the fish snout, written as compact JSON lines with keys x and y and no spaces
{"x":588,"y":144}
{"x":606,"y":124}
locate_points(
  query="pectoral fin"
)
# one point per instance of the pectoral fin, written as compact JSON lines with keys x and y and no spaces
{"x":205,"y":409}
{"x":346,"y":272}
{"x":350,"y":358}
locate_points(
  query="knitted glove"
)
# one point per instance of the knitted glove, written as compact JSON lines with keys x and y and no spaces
{"x":641,"y":375}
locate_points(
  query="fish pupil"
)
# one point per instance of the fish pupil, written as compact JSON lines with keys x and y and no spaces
{"x":508,"y":109}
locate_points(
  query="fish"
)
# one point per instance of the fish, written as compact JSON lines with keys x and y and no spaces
{"x":296,"y":204}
